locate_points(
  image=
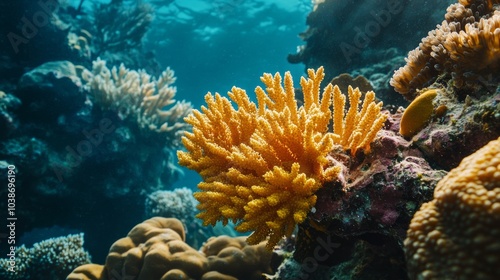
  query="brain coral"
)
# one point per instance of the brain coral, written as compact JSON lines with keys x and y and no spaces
{"x":155,"y":249}
{"x":262,"y":163}
{"x":456,"y":235}
{"x":465,"y":45}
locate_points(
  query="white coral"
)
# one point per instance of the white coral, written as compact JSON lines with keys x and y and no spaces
{"x":137,"y":95}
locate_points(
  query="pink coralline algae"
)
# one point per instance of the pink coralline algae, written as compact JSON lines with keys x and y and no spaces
{"x":372,"y":202}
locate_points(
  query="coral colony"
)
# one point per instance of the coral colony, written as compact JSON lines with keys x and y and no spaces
{"x":262,"y":163}
{"x":313,"y":178}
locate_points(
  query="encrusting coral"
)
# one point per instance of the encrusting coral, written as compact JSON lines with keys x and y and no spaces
{"x":155,"y":249}
{"x":455,"y":236}
{"x":262,"y":163}
{"x":136,"y":95}
{"x":466,"y":44}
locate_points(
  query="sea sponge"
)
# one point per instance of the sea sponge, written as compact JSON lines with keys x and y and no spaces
{"x":466,"y":45}
{"x":262,"y":163}
{"x":418,"y":113}
{"x":455,"y":236}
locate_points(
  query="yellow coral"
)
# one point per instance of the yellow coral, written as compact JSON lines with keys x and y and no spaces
{"x":261,"y":164}
{"x":455,"y":236}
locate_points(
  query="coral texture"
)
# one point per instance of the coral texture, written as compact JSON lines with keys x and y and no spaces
{"x":262,"y":163}
{"x":232,"y":256}
{"x":155,"y":250}
{"x":136,"y":95}
{"x":458,"y":128}
{"x":465,"y":45}
{"x":53,"y":258}
{"x":178,"y":203}
{"x":455,"y":236}
{"x":363,"y":217}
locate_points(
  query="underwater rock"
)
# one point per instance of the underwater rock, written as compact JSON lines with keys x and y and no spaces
{"x":342,"y":35}
{"x":50,"y":90}
{"x":8,"y":122}
{"x":369,"y":207}
{"x":70,"y":155}
{"x":463,"y":128}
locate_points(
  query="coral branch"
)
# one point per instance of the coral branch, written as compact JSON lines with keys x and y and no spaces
{"x":261,"y":165}
{"x":136,"y":95}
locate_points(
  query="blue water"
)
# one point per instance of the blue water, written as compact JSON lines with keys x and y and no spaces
{"x":214,"y":45}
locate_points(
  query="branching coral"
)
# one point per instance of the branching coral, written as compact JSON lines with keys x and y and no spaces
{"x":262,"y":163}
{"x":178,"y":203}
{"x":135,"y":95}
{"x":53,"y":258}
{"x":121,"y":27}
{"x":467,"y":41}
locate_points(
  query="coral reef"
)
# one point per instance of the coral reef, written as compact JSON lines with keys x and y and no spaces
{"x":49,"y":91}
{"x":155,"y":249}
{"x":465,"y":46}
{"x":8,"y":121}
{"x":118,"y":30}
{"x":457,"y":127}
{"x":359,"y":221}
{"x":261,"y":165}
{"x":459,"y":59}
{"x":74,"y":154}
{"x":34,"y":33}
{"x":456,"y":234}
{"x":53,"y":259}
{"x":178,"y":203}
{"x":345,"y":37}
{"x":135,"y":95}
{"x":358,"y":225}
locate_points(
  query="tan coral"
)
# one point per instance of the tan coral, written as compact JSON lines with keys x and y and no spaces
{"x":455,"y":236}
{"x":87,"y":272}
{"x":155,"y":250}
{"x":224,"y":251}
{"x":261,"y":164}
{"x":466,"y":42}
